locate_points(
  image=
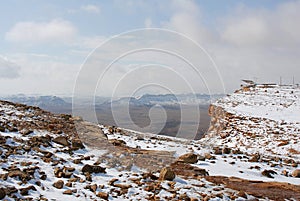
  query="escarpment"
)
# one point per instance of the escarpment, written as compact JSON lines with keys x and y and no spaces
{"x":261,"y":118}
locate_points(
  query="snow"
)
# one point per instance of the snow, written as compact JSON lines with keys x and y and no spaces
{"x":276,"y":103}
{"x":277,"y":110}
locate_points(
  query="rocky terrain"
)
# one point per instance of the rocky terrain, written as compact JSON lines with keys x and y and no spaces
{"x":250,"y":153}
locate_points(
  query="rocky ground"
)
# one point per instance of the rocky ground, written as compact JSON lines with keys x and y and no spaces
{"x":58,"y":157}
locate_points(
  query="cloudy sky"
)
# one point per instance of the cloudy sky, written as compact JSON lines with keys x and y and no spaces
{"x":47,"y":46}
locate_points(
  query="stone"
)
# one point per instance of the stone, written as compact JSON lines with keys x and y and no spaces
{"x":24,"y":191}
{"x":103,"y":195}
{"x":59,"y":184}
{"x":69,"y":184}
{"x":167,"y":174}
{"x":93,"y":187}
{"x":93,"y":169}
{"x":77,"y":144}
{"x":188,"y":158}
{"x":2,"y":193}
{"x":61,"y":140}
{"x":122,"y":186}
{"x":226,"y":150}
{"x":22,"y":175}
{"x":296,"y":173}
{"x":254,"y":158}
{"x":116,"y":142}
{"x":209,"y":156}
{"x":68,"y":192}
{"x":268,"y":173}
{"x":2,"y":129}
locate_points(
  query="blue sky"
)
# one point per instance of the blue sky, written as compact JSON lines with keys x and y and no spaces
{"x":44,"y":43}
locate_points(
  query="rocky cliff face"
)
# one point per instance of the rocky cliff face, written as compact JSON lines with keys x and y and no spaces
{"x":263,"y":117}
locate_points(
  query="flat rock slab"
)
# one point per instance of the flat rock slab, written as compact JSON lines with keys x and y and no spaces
{"x":272,"y":190}
{"x":122,"y":157}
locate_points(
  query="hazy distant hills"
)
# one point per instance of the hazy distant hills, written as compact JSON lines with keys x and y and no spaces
{"x":167,"y":100}
{"x":52,"y":102}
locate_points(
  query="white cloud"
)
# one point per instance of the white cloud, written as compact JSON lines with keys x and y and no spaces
{"x":8,"y":69}
{"x":39,"y":32}
{"x":91,"y":8}
{"x":187,"y":19}
{"x":247,"y":31}
{"x":252,"y":27}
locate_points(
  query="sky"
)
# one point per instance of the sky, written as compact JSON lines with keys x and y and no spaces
{"x":172,"y":46}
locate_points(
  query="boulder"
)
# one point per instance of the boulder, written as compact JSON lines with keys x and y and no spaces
{"x":25,"y":191}
{"x":61,"y":140}
{"x":103,"y":195}
{"x":2,"y":193}
{"x":22,"y":175}
{"x":68,"y":192}
{"x":167,"y":174}
{"x":77,"y":144}
{"x":2,"y":129}
{"x":93,"y":169}
{"x":59,"y":184}
{"x":268,"y":173}
{"x":296,"y":173}
{"x":116,"y":142}
{"x":188,"y":158}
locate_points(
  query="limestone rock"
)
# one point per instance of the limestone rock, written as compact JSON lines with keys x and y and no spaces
{"x":61,"y":140}
{"x":93,"y":169}
{"x":268,"y":173}
{"x":188,"y":158}
{"x":2,"y":193}
{"x":103,"y":195}
{"x":167,"y":174}
{"x":68,"y":192}
{"x":296,"y":173}
{"x":59,"y":184}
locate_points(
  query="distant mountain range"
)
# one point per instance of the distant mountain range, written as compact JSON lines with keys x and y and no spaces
{"x":167,"y":100}
{"x":53,"y":103}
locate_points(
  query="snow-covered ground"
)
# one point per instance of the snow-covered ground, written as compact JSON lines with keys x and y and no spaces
{"x":262,"y":145}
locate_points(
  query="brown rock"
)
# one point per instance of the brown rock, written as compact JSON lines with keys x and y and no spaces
{"x":77,"y":144}
{"x":184,"y":197}
{"x":209,"y":156}
{"x":93,"y":169}
{"x":2,"y":192}
{"x":69,"y":184}
{"x":103,"y":195}
{"x":254,"y":158}
{"x":68,"y":192}
{"x":116,"y":142}
{"x":188,"y":158}
{"x":122,"y":186}
{"x":167,"y":174}
{"x":2,"y":129}
{"x":22,"y":175}
{"x":61,"y":140}
{"x":59,"y":184}
{"x":24,"y":191}
{"x":296,"y":173}
{"x":226,"y":150}
{"x":93,"y":187}
{"x":268,"y":173}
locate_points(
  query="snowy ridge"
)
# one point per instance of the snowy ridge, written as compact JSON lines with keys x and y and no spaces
{"x":279,"y":103}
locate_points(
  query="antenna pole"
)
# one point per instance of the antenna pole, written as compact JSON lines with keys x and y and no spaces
{"x":280,"y":82}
